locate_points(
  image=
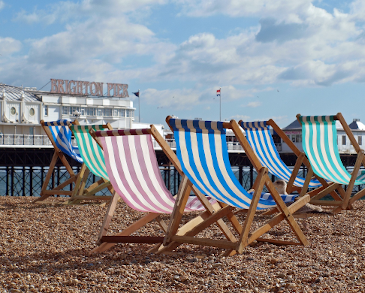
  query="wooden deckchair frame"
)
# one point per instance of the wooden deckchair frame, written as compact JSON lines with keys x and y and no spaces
{"x":106,"y":242}
{"x":82,"y":193}
{"x":342,"y":200}
{"x":245,"y":237}
{"x":58,"y":154}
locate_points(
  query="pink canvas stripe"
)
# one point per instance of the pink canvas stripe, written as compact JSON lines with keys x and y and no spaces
{"x":120,"y":174}
{"x":156,"y":170}
{"x":138,"y":178}
{"x":125,"y":182}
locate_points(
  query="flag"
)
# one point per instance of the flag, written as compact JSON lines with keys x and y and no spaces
{"x":136,"y":94}
{"x":218,"y":92}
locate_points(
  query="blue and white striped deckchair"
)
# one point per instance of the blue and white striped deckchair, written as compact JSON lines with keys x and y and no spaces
{"x":93,"y":157}
{"x":320,"y":146}
{"x":59,"y":134}
{"x":259,"y":136}
{"x":201,"y":148}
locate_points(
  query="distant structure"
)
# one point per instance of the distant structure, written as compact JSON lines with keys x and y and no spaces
{"x":22,"y":108}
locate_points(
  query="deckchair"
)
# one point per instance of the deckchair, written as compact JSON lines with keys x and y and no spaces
{"x":59,"y":134}
{"x":133,"y":171}
{"x":320,"y":146}
{"x":93,"y":158}
{"x":260,"y":139}
{"x":201,"y":148}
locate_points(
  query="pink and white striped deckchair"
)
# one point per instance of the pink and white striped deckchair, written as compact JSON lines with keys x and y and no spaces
{"x":134,"y":173}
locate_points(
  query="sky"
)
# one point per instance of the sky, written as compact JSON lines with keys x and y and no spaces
{"x":271,"y":59}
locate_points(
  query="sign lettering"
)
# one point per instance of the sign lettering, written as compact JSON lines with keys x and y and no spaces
{"x":86,"y":88}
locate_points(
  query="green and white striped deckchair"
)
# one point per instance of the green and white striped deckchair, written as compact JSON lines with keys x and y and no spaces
{"x":320,"y":146}
{"x":93,"y":157}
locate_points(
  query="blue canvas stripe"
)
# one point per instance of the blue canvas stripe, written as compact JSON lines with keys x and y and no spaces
{"x":262,"y":143}
{"x":218,"y":182}
{"x":62,"y":137}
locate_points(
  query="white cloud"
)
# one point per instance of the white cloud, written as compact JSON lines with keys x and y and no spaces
{"x":294,"y":42}
{"x":281,"y":9}
{"x":64,"y":11}
{"x":2,"y":4}
{"x":253,"y":104}
{"x":9,"y":46}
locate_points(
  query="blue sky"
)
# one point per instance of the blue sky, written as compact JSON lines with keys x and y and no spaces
{"x":272,"y":59}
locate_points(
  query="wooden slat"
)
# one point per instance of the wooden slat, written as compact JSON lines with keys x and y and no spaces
{"x":180,"y":203}
{"x":131,"y":239}
{"x":205,"y":241}
{"x":242,"y":243}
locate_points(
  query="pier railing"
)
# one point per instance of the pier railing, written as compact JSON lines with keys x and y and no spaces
{"x":24,"y":140}
{"x":43,"y":140}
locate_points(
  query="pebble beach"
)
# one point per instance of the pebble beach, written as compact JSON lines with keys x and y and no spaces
{"x":45,"y":248}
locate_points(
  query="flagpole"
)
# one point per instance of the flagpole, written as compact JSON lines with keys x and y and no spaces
{"x":139,"y":107}
{"x":220,"y":104}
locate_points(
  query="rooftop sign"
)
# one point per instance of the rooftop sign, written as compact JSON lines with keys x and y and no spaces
{"x":86,"y":88}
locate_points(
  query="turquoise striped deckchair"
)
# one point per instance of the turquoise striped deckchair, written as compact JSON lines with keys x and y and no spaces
{"x":320,"y":146}
{"x":60,"y":136}
{"x":93,"y":158}
{"x":202,"y":151}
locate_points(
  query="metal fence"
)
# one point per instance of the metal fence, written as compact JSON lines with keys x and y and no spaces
{"x":28,"y":181}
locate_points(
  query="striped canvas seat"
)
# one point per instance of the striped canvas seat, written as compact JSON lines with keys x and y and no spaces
{"x":134,"y":173}
{"x":90,"y":151}
{"x":259,"y":136}
{"x":320,"y":146}
{"x":202,"y":150}
{"x":61,"y":134}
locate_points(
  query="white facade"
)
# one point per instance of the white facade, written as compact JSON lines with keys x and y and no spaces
{"x":22,"y":109}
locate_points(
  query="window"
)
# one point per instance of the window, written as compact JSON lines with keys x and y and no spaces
{"x":100,"y":112}
{"x":115,"y":112}
{"x":298,"y":138}
{"x":46,"y":110}
{"x":343,"y":139}
{"x":108,"y":112}
{"x":121,"y":112}
{"x":31,"y":111}
{"x":65,"y":110}
{"x":359,"y":140}
{"x":90,"y":111}
{"x":293,"y":138}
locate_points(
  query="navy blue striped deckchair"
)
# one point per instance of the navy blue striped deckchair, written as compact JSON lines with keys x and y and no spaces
{"x":59,"y":134}
{"x":320,"y":146}
{"x":201,"y":148}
